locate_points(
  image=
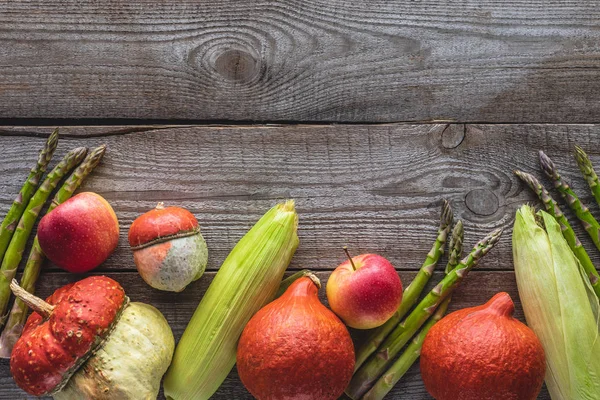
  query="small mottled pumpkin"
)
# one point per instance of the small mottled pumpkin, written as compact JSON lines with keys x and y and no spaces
{"x":168,"y":248}
{"x":86,"y":341}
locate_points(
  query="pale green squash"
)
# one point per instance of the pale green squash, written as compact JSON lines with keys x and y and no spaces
{"x":131,"y":362}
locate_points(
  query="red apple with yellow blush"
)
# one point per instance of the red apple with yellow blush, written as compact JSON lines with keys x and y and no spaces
{"x":79,"y":234}
{"x":365,"y":291}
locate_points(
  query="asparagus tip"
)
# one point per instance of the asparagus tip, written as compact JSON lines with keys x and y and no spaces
{"x":459,"y":229}
{"x":582,"y":158}
{"x":53,"y":139}
{"x":527,"y":178}
{"x":447,"y":215}
{"x":77,"y":153}
{"x":547,"y":165}
{"x":494,"y":236}
{"x":96,"y":155}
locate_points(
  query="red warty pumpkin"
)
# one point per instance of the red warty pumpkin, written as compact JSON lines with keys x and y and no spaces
{"x":483,"y":353}
{"x":295,"y":348}
{"x":51,"y":350}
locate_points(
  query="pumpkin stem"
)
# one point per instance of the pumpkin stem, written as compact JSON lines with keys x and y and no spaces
{"x":349,"y":257}
{"x":314,"y":279}
{"x":35,"y":303}
{"x":160,"y":206}
{"x":502,"y":304}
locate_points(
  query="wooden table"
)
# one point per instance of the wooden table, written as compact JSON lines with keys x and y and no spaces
{"x":367,"y":114}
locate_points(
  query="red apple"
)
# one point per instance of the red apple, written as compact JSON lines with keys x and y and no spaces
{"x":364,"y":291}
{"x":79,"y":234}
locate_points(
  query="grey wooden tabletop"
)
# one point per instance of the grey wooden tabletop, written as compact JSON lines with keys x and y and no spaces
{"x":367,"y":114}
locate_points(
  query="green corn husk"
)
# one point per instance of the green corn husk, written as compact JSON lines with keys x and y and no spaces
{"x":560,"y":306}
{"x":248,"y":279}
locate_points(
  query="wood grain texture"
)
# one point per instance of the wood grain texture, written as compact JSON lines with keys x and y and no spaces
{"x":178,"y":309}
{"x":317,"y":60}
{"x":375,"y":188}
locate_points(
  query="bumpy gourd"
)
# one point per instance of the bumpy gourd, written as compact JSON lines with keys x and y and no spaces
{"x":131,"y":362}
{"x":88,"y":342}
{"x":168,"y":248}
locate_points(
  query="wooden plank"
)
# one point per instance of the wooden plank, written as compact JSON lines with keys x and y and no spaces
{"x":373,"y":188}
{"x":377,"y":61}
{"x":178,"y":309}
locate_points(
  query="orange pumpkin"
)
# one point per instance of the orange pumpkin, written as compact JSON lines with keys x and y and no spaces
{"x":483,"y":353}
{"x":296,"y":348}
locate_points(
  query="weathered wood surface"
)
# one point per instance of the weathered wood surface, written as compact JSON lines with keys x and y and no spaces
{"x":375,"y":188}
{"x":319,"y":60}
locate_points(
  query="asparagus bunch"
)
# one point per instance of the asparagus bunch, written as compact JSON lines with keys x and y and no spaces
{"x":376,"y":365}
{"x":15,"y":249}
{"x":412,"y":352}
{"x":9,"y":224}
{"x":412,"y":292}
{"x":590,"y":224}
{"x":18,"y":313}
{"x":569,"y":234}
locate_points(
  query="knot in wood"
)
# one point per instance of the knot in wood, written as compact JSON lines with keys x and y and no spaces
{"x":237,"y":65}
{"x":482,"y":202}
{"x":453,"y":135}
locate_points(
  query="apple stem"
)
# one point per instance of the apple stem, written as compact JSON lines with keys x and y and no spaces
{"x":349,"y":257}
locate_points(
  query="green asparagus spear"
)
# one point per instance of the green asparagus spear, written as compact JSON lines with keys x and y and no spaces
{"x":375,"y":366}
{"x":411,"y":353}
{"x":455,"y":247}
{"x":18,"y":313}
{"x":14,"y":253}
{"x":587,"y":169}
{"x":412,"y":292}
{"x":591,"y":226}
{"x":9,"y":224}
{"x":569,"y":234}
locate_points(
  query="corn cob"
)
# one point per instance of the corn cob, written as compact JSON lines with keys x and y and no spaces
{"x":248,"y":279}
{"x":569,"y":234}
{"x":559,"y":306}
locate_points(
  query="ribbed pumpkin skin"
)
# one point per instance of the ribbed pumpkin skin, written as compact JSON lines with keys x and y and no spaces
{"x":130,"y":364}
{"x":49,"y":350}
{"x":295,"y":348}
{"x":483,"y":353}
